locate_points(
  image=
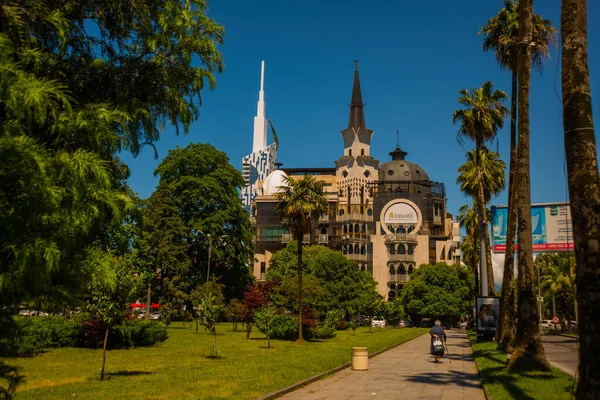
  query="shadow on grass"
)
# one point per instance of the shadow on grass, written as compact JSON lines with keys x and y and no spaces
{"x":130,"y":373}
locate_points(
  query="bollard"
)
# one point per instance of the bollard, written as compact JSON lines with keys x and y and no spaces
{"x":360,"y":359}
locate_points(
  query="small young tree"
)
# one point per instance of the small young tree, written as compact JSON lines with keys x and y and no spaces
{"x":234,"y":313}
{"x":110,"y":298}
{"x":209,"y":313}
{"x":203,"y":291}
{"x":254,"y":300}
{"x":264,"y":319}
{"x":393,"y":311}
{"x":352,"y":315}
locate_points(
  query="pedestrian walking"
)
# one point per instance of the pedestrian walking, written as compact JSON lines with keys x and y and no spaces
{"x":438,"y":340}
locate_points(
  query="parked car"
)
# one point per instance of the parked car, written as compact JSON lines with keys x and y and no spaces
{"x":25,"y":313}
{"x":426,"y":323}
{"x":405,"y":323}
{"x":154,"y":315}
{"x":549,"y":325}
{"x":378,"y":322}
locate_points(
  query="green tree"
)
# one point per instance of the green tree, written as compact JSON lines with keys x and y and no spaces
{"x":213,"y":289}
{"x":483,"y":114}
{"x":109,"y":300}
{"x":233,"y":312}
{"x":300,"y":201}
{"x":209,"y":314}
{"x":438,"y":290}
{"x":264,"y":319}
{"x":528,"y":349}
{"x":204,"y":188}
{"x":558,"y":278}
{"x":584,"y":186}
{"x":492,"y":174}
{"x":340,"y":279}
{"x":393,"y":311}
{"x":469,"y":245}
{"x":502,"y":37}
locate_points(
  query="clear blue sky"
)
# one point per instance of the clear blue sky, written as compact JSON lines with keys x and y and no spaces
{"x":414,"y":57}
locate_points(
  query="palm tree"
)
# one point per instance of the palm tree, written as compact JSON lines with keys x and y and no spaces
{"x":528,"y":350}
{"x":557,"y":276}
{"x":584,"y":187}
{"x":492,"y":174}
{"x":480,"y":120}
{"x":300,"y":201}
{"x":502,"y":37}
{"x":467,"y":218}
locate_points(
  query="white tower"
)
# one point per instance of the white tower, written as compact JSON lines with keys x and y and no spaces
{"x":261,"y":162}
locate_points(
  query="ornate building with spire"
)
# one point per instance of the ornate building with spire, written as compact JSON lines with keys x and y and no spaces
{"x":257,"y":165}
{"x":389,"y":218}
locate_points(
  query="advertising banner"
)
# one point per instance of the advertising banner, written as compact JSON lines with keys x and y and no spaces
{"x":488,"y":312}
{"x":401,"y":214}
{"x":551,"y":227}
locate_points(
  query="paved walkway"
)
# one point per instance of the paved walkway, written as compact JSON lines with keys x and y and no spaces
{"x":562,"y":352}
{"x":404,"y":372}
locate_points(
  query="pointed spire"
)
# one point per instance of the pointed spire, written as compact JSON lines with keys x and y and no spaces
{"x":398,"y":153}
{"x":357,"y":116}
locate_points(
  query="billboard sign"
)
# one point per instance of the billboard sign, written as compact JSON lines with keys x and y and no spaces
{"x":401,"y":214}
{"x":551,"y":227}
{"x":487,"y":315}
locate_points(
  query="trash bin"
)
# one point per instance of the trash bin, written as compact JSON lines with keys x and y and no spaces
{"x":360,"y":359}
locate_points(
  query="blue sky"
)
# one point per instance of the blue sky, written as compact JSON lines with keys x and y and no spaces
{"x":414,"y":57}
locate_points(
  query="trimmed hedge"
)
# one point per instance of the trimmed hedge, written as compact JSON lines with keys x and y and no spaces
{"x":35,"y":334}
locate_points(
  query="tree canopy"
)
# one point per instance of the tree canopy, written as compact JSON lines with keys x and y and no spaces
{"x":438,"y":290}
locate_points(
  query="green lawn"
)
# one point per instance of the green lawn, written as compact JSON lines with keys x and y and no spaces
{"x":504,"y":385}
{"x":180,"y":367}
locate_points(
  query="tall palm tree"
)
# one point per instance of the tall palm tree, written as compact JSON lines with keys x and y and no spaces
{"x":301,"y":201}
{"x":584,"y":187}
{"x":483,"y":114}
{"x":502,"y":37}
{"x":492,"y":174}
{"x":528,"y":350}
{"x":557,"y":276}
{"x":469,"y":246}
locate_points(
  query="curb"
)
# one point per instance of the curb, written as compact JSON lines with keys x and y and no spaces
{"x":314,"y":378}
{"x":485,"y":392}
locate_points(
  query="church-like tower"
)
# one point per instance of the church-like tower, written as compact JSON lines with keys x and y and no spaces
{"x":261,"y":162}
{"x":355,"y":171}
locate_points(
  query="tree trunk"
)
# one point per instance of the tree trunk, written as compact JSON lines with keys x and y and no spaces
{"x":584,"y":189}
{"x":529,"y":353}
{"x":104,"y":354}
{"x":148,"y":303}
{"x":507,"y":321}
{"x":300,"y":304}
{"x":480,"y":201}
{"x":215,"y":343}
{"x":488,"y":257}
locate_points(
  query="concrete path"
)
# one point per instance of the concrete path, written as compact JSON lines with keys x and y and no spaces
{"x":405,"y":372}
{"x":562,"y":352}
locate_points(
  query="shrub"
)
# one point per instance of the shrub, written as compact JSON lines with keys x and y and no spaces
{"x":285,"y":327}
{"x":324,"y":332}
{"x":134,"y":333}
{"x":341,"y":325}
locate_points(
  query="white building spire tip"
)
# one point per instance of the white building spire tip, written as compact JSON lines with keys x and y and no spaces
{"x":262,"y":76}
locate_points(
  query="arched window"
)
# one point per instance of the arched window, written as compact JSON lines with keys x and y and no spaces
{"x":362,"y":152}
{"x":363,"y":249}
{"x":443,"y":254}
{"x":344,"y":249}
{"x":341,"y":211}
{"x":411,"y":249}
{"x":369,"y":212}
{"x":350,"y":152}
{"x":350,"y":249}
{"x":391,"y":249}
{"x":364,"y":228}
{"x":356,"y":228}
{"x":401,"y":249}
{"x":401,"y":270}
{"x":345,"y":228}
{"x":356,"y":249}
{"x":401,"y":229}
{"x":410,"y":269}
{"x":392,"y":269}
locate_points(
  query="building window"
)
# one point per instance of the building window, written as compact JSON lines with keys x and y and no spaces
{"x":341,"y":211}
{"x":367,"y":174}
{"x":401,"y":270}
{"x":362,"y":152}
{"x":411,"y":249}
{"x":345,"y":174}
{"x":263,"y":267}
{"x":356,"y":228}
{"x":392,"y":269}
{"x":350,"y":152}
{"x":363,"y":249}
{"x":369,"y":212}
{"x":401,"y":249}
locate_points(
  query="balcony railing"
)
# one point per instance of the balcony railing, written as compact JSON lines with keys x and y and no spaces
{"x":437,"y":219}
{"x":401,"y":237}
{"x":324,"y":219}
{"x":357,"y":257}
{"x":354,"y":217}
{"x":356,"y":236}
{"x":402,"y":257}
{"x":398,"y":278}
{"x":323,"y":238}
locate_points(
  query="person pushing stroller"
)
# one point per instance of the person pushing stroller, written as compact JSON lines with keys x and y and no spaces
{"x":438,"y":340}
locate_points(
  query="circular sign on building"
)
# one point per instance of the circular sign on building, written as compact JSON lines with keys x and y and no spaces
{"x":400,"y":213}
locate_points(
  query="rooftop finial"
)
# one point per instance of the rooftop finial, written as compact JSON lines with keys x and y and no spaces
{"x":356,"y":65}
{"x":357,"y":116}
{"x":397,"y":138}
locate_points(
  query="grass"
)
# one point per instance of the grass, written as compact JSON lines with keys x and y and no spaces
{"x":181,"y":367}
{"x":573,"y":335}
{"x":504,"y":385}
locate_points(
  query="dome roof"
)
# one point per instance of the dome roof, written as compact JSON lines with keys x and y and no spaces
{"x":401,"y":170}
{"x":273,"y":181}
